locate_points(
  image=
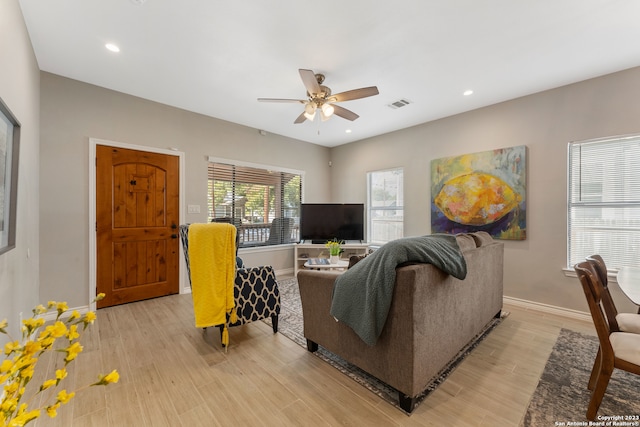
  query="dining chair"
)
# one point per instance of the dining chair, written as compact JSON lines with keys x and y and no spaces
{"x":619,"y":350}
{"x":620,"y":322}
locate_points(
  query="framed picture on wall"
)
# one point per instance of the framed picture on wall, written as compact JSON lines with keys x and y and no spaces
{"x":9,"y":149}
{"x":483,"y":191}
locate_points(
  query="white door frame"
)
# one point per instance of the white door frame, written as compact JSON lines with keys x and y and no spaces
{"x":92,"y":208}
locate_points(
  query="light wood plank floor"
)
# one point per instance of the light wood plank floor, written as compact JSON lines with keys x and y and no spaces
{"x":173,"y":374}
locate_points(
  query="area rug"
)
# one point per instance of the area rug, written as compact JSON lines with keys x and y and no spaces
{"x":290,"y":324}
{"x":562,"y":395}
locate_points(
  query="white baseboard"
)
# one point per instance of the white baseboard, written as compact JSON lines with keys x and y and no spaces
{"x":284,"y":272}
{"x":551,"y":309}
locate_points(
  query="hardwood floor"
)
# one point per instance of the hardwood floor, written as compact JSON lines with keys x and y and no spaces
{"x":173,"y":374}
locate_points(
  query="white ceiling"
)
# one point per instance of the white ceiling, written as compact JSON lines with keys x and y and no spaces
{"x":217,"y":57}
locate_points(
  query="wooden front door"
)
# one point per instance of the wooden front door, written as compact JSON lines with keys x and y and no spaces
{"x":137,"y":207}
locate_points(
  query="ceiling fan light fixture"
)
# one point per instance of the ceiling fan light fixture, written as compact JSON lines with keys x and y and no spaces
{"x":327,"y":110}
{"x":310,"y":111}
{"x":310,"y":108}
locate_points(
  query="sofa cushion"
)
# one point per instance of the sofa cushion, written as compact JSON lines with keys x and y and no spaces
{"x":354,"y":259}
{"x":482,"y":238}
{"x":466,"y":242}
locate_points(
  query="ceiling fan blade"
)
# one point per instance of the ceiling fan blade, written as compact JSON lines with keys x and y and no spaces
{"x":309,"y":79}
{"x":281,"y":100}
{"x":354,"y":94}
{"x":344,"y":113}
{"x":301,"y":118}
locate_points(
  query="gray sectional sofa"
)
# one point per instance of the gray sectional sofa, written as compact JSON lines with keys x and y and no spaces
{"x":432,"y":317}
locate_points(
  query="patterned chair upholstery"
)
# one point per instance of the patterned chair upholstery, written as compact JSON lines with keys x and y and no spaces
{"x":255,"y":291}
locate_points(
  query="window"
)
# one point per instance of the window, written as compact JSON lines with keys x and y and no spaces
{"x":385,"y":205}
{"x":262,"y":202}
{"x":604,"y":201}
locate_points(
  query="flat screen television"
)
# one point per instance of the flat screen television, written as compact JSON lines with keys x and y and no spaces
{"x":320,"y":222}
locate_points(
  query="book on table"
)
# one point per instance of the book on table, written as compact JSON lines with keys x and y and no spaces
{"x":318,"y":261}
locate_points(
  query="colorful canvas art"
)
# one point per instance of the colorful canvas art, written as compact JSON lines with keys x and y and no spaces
{"x":481,"y":192}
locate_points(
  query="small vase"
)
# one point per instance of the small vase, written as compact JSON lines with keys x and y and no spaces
{"x":334,"y":259}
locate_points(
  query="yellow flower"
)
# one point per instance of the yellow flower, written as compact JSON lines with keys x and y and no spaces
{"x":64,"y":397}
{"x":100,"y":296}
{"x":73,"y":332}
{"x":39,"y":310}
{"x":17,"y":368}
{"x":52,"y":410}
{"x":57,"y":330}
{"x":6,"y":366}
{"x":62,"y":307}
{"x":24,"y":417}
{"x":27,"y":373}
{"x":334,"y":246}
{"x":112,"y":377}
{"x":31,"y":324}
{"x":46,"y":340}
{"x":32,"y":347}
{"x":72,"y":351}
{"x":11,"y":346}
{"x":8,"y":404}
{"x":89,"y":317}
{"x":61,"y":374}
{"x":48,"y":384}
{"x":11,"y":388}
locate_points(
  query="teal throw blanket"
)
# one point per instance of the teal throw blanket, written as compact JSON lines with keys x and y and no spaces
{"x":362,"y":295}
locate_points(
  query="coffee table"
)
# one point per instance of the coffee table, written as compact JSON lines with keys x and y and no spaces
{"x":340,"y":265}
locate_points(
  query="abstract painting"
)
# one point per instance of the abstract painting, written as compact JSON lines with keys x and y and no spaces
{"x":483,"y":191}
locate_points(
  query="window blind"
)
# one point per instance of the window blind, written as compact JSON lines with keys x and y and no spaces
{"x":252,"y":197}
{"x":604,"y":201}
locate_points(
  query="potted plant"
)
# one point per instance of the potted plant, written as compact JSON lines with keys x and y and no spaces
{"x":335,"y":249}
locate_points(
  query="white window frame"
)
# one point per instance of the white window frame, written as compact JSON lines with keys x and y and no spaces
{"x":371,"y":218}
{"x":603,"y":214}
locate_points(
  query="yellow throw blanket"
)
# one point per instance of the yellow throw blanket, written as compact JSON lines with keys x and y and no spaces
{"x":212,"y":261}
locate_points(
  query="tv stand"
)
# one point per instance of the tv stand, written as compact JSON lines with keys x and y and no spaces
{"x":323,"y":241}
{"x":303,"y":251}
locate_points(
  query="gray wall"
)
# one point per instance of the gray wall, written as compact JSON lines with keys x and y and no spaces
{"x":545,"y":122}
{"x":61,"y":115}
{"x":73,"y":112}
{"x":19,"y":89}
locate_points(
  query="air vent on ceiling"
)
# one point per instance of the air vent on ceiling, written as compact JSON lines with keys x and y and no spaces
{"x":399,"y":103}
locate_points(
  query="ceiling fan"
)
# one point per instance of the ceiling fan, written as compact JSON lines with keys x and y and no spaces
{"x":319,"y":97}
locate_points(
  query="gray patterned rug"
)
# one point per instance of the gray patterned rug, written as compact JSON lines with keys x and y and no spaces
{"x":562,"y":395}
{"x":290,"y":324}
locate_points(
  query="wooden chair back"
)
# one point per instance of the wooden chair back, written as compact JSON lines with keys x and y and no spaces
{"x":598,"y":265}
{"x":593,"y":291}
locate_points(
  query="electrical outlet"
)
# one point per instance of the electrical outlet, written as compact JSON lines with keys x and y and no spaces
{"x":193,"y":209}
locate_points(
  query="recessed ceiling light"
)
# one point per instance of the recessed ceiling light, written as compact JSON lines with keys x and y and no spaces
{"x":467,"y":92}
{"x":348,"y":131}
{"x":112,"y":47}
